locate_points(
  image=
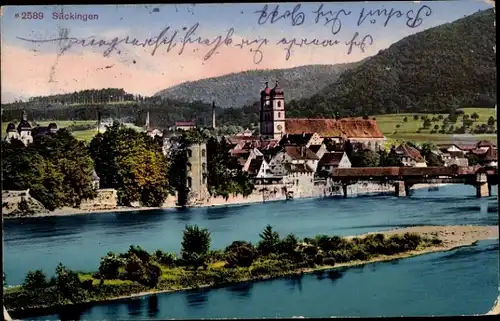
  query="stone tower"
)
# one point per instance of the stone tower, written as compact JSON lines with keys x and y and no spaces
{"x":196,"y":173}
{"x":272,"y":112}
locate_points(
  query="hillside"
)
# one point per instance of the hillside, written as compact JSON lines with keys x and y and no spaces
{"x":301,"y":82}
{"x":439,"y":69}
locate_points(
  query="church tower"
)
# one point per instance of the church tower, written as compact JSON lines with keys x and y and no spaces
{"x":272,"y":112}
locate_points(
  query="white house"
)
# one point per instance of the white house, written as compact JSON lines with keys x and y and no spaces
{"x":259,"y":168}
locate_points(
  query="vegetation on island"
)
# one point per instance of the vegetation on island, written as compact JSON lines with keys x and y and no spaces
{"x":136,"y":271}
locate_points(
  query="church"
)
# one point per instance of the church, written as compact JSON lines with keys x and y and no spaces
{"x":274,"y":124}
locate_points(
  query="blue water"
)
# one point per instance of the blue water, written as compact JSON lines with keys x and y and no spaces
{"x":459,"y":282}
{"x":80,"y":241}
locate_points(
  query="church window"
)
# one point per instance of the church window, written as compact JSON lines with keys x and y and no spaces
{"x":202,"y":153}
{"x":279,"y":103}
{"x":189,"y":182}
{"x":279,"y":115}
{"x":190,"y":153}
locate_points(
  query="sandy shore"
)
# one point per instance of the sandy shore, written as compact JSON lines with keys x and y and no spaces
{"x":453,"y":237}
{"x":69,"y":211}
{"x":496,"y":308}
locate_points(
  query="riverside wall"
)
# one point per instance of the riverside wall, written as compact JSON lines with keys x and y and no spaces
{"x":106,"y":199}
{"x":278,"y":192}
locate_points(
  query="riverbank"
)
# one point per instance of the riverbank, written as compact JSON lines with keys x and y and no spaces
{"x":451,"y":237}
{"x":496,"y":308}
{"x":69,"y":211}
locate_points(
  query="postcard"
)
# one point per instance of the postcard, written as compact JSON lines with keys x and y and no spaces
{"x":249,"y":160}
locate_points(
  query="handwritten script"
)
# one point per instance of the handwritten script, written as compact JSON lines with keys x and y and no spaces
{"x":178,"y":40}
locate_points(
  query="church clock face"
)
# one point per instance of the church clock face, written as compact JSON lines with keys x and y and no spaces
{"x":279,"y":127}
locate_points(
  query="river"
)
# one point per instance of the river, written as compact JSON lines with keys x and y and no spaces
{"x":79,"y":242}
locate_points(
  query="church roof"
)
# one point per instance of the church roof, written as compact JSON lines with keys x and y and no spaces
{"x":23,"y":125}
{"x":345,"y":128}
{"x":11,"y":127}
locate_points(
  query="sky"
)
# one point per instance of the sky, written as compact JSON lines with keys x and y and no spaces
{"x":43,"y":55}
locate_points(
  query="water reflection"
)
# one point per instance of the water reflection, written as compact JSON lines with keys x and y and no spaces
{"x":183,"y":214}
{"x":71,"y":313}
{"x":242,"y":290}
{"x":134,"y":307}
{"x":335,"y":274}
{"x":295,"y":282}
{"x":320,"y":275}
{"x":217,"y":213}
{"x":197,"y":299}
{"x":153,"y":306}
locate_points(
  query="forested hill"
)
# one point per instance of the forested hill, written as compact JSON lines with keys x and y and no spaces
{"x":440,"y":68}
{"x":243,"y":88}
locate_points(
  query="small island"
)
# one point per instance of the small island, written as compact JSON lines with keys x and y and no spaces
{"x":138,"y":272}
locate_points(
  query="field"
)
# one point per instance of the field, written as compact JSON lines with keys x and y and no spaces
{"x":407,"y":131}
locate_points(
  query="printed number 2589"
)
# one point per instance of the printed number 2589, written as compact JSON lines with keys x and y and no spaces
{"x":31,"y":15}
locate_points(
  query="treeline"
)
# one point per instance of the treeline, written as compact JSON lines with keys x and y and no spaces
{"x":138,"y":270}
{"x":434,"y":71}
{"x":92,"y":96}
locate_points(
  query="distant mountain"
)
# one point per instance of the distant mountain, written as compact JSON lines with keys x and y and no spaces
{"x":243,"y":88}
{"x":441,"y":68}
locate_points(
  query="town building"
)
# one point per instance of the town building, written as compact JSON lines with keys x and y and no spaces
{"x":333,"y":160}
{"x":274,"y":124}
{"x":184,"y":125}
{"x":410,"y":156}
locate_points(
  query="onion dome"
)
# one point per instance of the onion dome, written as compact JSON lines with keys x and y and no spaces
{"x":266,"y":91}
{"x":276,"y":90}
{"x":52,"y":126}
{"x":11,"y":127}
{"x":23,"y":125}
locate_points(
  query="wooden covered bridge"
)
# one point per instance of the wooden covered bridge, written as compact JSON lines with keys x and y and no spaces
{"x":403,"y":178}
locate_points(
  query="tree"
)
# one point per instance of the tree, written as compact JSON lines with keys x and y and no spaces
{"x":415,"y":117}
{"x":365,"y":158}
{"x":427,"y":151}
{"x":288,"y":244}
{"x":35,"y":280}
{"x":389,"y":159}
{"x":269,"y":240}
{"x":110,"y":265}
{"x":195,"y":245}
{"x":491,"y":121}
{"x":474,"y":116}
{"x":132,"y":163}
{"x":69,"y":285}
{"x":405,"y":119}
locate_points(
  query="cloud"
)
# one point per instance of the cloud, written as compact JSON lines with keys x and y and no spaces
{"x":31,"y":71}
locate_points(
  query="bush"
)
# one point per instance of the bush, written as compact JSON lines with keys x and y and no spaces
{"x":243,"y":255}
{"x":167,"y":259}
{"x":329,"y":261}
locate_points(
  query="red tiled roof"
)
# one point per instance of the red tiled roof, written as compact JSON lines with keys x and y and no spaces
{"x":408,"y":151}
{"x":491,"y":155}
{"x":255,"y":165}
{"x":331,"y":159}
{"x":300,"y":152}
{"x":315,"y":148}
{"x":485,"y":143}
{"x":185,"y":123}
{"x":466,"y":147}
{"x":345,"y":128}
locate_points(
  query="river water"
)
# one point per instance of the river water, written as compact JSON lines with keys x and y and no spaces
{"x":463,"y":281}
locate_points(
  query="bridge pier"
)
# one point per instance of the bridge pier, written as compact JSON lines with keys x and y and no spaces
{"x":401,"y":189}
{"x":483,"y":188}
{"x":344,"y":190}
